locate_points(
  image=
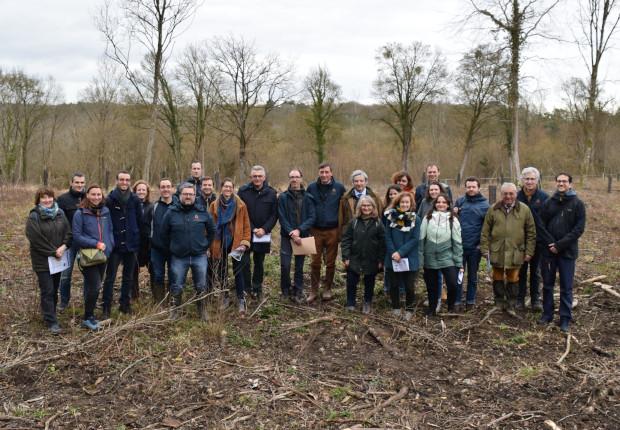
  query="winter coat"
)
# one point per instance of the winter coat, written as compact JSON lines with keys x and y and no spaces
{"x":440,"y":241}
{"x":262,"y":208}
{"x":424,"y":206}
{"x":420,"y":192}
{"x":287,"y":213}
{"x":363,"y":244}
{"x":472,"y":210}
{"x":348,"y":203}
{"x":206,"y":202}
{"x":187,"y":231}
{"x":144,"y":252}
{"x":46,"y":235}
{"x":91,"y":227}
{"x":535,"y":203}
{"x":327,"y":198}
{"x":126,"y":220}
{"x":404,"y":242}
{"x":508,"y":237}
{"x":564,"y":220}
{"x":69,"y":202}
{"x":242,"y":233}
{"x":196,"y":182}
{"x":152,"y":224}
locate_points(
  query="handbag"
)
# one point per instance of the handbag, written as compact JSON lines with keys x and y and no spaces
{"x":91,"y":257}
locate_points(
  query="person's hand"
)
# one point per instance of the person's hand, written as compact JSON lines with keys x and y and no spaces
{"x":100,"y":246}
{"x":208,"y":253}
{"x":527,"y":258}
{"x":462,"y":269}
{"x":295,"y":232}
{"x":297,"y":240}
{"x":241,"y":248}
{"x":380,"y":265}
{"x":396,"y":257}
{"x":553,"y":248}
{"x":346,"y":263}
{"x":259,"y":232}
{"x":61,"y":250}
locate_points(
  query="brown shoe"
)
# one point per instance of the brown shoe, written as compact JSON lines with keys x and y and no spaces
{"x":312,"y":297}
{"x":327,"y":295}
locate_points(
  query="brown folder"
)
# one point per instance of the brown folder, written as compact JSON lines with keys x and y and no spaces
{"x":307,"y":247}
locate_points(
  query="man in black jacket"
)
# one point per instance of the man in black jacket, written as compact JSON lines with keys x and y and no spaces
{"x":262,"y":203}
{"x":563,"y":218}
{"x":69,"y":203}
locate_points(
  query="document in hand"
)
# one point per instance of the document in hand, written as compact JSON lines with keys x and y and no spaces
{"x":58,"y":264}
{"x":307,"y":247}
{"x":265,"y":238}
{"x":401,"y":266}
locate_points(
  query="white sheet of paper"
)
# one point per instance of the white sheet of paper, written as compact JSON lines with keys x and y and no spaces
{"x":57,"y":265}
{"x":265,"y":238}
{"x":401,"y":266}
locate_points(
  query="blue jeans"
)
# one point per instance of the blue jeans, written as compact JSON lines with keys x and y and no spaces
{"x":471,"y":263}
{"x":129,"y":260}
{"x":179,"y":267}
{"x":353,"y":279}
{"x":159,"y":261}
{"x":220,"y":270}
{"x":566,"y":267}
{"x":65,"y":278}
{"x":286,"y":257}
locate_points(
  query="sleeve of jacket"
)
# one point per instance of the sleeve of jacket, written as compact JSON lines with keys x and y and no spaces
{"x":310,"y":218}
{"x":389,"y":242}
{"x":81,"y":240}
{"x":285,"y":226}
{"x":344,"y":214}
{"x":530,"y":233}
{"x":165,"y":230}
{"x":421,"y":237}
{"x":347,"y":242}
{"x":210,"y":226}
{"x":457,"y":243}
{"x":273,"y":214}
{"x":577,"y":230}
{"x":147,"y":219}
{"x":485,"y":235}
{"x":246,"y":228}
{"x":67,"y":239}
{"x":36,"y":237}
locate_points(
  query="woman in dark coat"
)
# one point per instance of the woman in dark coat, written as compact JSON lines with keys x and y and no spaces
{"x":49,"y":234}
{"x":142,"y":189}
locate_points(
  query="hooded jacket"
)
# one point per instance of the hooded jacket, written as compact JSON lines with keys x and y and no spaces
{"x":348,"y":203}
{"x":91,"y":227}
{"x":46,"y":235}
{"x":440,"y":241}
{"x":563,"y":217}
{"x":472,"y":210}
{"x":535,"y":203}
{"x":187,"y":231}
{"x":262,"y":206}
{"x":287,"y":212}
{"x":126,"y":220}
{"x":327,"y":198}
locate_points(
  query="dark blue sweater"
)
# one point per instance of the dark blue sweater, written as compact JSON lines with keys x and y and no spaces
{"x":327,"y":202}
{"x":126,"y":220}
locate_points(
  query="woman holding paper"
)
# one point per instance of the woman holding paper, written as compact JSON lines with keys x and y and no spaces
{"x":232,"y":237}
{"x":92,"y":229}
{"x":401,"y":259}
{"x":441,"y":250}
{"x":49,"y":234}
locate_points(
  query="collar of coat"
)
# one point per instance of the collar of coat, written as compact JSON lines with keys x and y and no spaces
{"x":500,"y":205}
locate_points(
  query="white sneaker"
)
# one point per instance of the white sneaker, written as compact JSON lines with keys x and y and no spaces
{"x":396,"y":313}
{"x":408,"y":316}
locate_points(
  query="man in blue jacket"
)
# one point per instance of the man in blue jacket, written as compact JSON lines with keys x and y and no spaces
{"x":187,"y":231}
{"x":160,"y":255}
{"x":531,"y":194}
{"x":296,"y":213}
{"x":126,"y":214}
{"x":262,"y":203}
{"x":471,"y":209}
{"x":431,"y":174}
{"x":327,"y":193}
{"x":563,"y":219}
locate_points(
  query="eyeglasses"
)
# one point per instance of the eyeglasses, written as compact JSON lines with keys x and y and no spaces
{"x":188,"y":194}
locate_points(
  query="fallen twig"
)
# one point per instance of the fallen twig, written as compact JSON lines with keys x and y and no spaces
{"x":561,"y":359}
{"x":500,"y":419}
{"x":258,"y":307}
{"x":132,"y":365}
{"x":608,"y":289}
{"x":594,"y":279}
{"x":50,"y":419}
{"x":482,"y":321}
{"x":382,"y":341}
{"x":552,"y":425}
{"x":396,"y":397}
{"x":307,"y":323}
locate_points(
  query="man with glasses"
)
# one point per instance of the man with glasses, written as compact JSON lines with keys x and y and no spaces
{"x":262,"y":203}
{"x":563,"y":217}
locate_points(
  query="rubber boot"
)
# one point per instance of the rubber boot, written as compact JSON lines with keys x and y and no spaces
{"x":158,"y":292}
{"x":202,"y":310}
{"x":175,"y":312}
{"x":499,"y":292}
{"x":512,"y":292}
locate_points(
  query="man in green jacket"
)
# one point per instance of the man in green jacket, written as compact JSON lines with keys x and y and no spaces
{"x":509,"y":233}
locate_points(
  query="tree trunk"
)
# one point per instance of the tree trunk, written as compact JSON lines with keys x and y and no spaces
{"x":515,"y":50}
{"x":242,"y":155}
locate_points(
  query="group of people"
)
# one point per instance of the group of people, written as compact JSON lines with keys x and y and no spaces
{"x":190,"y":227}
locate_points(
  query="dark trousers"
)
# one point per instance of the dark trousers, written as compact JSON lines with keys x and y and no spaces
{"x":159,"y":262}
{"x":48,"y":287}
{"x":534,"y":266}
{"x":471,"y":263}
{"x":406,"y":281}
{"x":92,"y":283}
{"x":65,"y":278}
{"x":286,"y":258}
{"x":431,"y":278}
{"x":253,"y":278}
{"x":220,"y":268}
{"x":129,"y":261}
{"x":353,"y":279}
{"x":566,"y":267}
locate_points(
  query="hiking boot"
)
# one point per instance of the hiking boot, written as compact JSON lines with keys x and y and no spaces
{"x":564,"y":325}
{"x":366,"y":308}
{"x":537,"y":306}
{"x":175,"y":312}
{"x":55,"y":329}
{"x":312,"y":297}
{"x":61,"y":307}
{"x":91,"y":324}
{"x":242,"y":307}
{"x":327,"y":295}
{"x":202,"y":311}
{"x":469,"y":307}
{"x":396,"y":313}
{"x":544,"y":320}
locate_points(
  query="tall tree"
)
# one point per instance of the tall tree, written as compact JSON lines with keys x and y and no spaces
{"x":170,"y":115}
{"x":518,"y":21}
{"x":408,"y":78}
{"x":479,"y":83}
{"x":324,"y":96}
{"x":154,"y":25}
{"x":251,"y":87}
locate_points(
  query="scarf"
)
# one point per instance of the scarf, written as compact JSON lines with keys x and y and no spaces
{"x":225,"y":213}
{"x":48,"y":212}
{"x":403,"y":221}
{"x":123,"y":196}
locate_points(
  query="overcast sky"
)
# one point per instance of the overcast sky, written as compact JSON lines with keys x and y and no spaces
{"x":58,"y":38}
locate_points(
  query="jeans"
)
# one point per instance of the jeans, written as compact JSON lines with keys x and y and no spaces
{"x":253,"y":278}
{"x":405,"y":281}
{"x":286,"y":257}
{"x":221,"y":274}
{"x":129,"y":260}
{"x":326,"y":247}
{"x":471,"y":263}
{"x":179,"y":267}
{"x":65,"y":279}
{"x":159,"y":262}
{"x":92,"y":283}
{"x":566,"y":267}
{"x":534,"y":266}
{"x":431,"y":278}
{"x":48,"y":286}
{"x":353,"y":278}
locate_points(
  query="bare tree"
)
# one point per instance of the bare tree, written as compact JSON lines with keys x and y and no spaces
{"x":479,"y":83}
{"x":519,"y":21}
{"x":408,"y":78}
{"x":251,"y":86}
{"x":171,"y":116}
{"x":324,"y":95}
{"x":154,"y":25}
